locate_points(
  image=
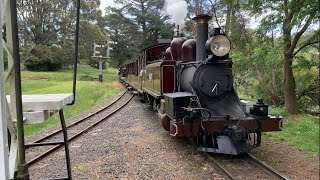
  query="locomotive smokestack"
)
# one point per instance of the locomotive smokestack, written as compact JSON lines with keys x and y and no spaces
{"x":202,"y":35}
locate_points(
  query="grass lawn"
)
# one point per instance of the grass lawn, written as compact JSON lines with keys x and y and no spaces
{"x":89,"y":92}
{"x":302,"y":131}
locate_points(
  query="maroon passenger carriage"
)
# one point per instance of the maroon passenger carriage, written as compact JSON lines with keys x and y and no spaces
{"x":190,"y":82}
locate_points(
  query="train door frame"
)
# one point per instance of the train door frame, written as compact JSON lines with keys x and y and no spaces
{"x":15,"y":166}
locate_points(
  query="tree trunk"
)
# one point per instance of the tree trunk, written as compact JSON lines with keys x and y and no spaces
{"x":228,"y":20}
{"x":290,"y":100}
{"x":291,"y":105}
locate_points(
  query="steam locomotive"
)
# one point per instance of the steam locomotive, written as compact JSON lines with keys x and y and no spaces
{"x":190,"y":82}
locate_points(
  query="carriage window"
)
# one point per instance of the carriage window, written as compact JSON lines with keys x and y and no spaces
{"x":155,"y":53}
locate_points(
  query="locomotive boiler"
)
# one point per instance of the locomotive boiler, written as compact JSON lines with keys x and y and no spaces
{"x":190,"y":82}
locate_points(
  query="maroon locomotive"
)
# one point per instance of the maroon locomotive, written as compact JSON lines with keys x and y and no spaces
{"x":190,"y":82}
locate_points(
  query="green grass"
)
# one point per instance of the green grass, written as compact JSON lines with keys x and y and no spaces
{"x":88,"y":95}
{"x":33,"y":82}
{"x":276,"y":110}
{"x":67,"y":75}
{"x":89,"y":92}
{"x":302,"y":132}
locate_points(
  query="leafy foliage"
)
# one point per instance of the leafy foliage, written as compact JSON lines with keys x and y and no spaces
{"x":52,"y":24}
{"x":275,"y":58}
{"x":90,"y":34}
{"x":43,"y":58}
{"x":292,"y":19}
{"x":141,"y":22}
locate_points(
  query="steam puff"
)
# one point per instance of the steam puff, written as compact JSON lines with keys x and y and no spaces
{"x":177,"y":10}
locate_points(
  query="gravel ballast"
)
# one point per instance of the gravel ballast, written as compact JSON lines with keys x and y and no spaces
{"x":129,"y":145}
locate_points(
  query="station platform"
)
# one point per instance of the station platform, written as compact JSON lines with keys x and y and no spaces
{"x":38,"y":108}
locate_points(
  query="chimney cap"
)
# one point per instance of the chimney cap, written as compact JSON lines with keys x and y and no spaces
{"x":202,"y":18}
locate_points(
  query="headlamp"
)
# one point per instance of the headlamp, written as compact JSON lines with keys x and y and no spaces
{"x":220,"y":45}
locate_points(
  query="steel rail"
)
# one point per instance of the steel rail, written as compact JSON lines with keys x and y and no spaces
{"x":258,"y":163}
{"x":73,"y":124}
{"x":268,"y":169}
{"x":225,"y":172}
{"x":41,"y":156}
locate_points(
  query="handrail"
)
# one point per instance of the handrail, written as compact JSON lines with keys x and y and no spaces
{"x":76,"y":49}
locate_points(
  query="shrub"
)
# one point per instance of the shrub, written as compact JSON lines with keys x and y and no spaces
{"x":42,"y":58}
{"x":65,"y":54}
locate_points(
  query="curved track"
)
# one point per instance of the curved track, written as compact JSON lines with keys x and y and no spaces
{"x":77,"y":128}
{"x":245,"y":166}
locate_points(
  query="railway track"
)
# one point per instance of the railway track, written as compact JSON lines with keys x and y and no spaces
{"x":75,"y":129}
{"x":245,"y":166}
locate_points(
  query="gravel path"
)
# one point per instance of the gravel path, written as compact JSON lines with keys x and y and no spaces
{"x":130,"y":145}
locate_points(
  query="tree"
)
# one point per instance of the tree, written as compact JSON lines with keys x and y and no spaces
{"x":90,"y":34}
{"x":293,"y":18}
{"x":39,"y":20}
{"x":142,"y":23}
{"x":127,"y":37}
{"x":44,"y":22}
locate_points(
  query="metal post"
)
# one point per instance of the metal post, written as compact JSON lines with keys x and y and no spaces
{"x":4,"y":152}
{"x":100,"y":69}
{"x":66,"y":143}
{"x":22,"y":166}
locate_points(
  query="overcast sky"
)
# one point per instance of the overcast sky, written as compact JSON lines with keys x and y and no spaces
{"x":104,"y":4}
